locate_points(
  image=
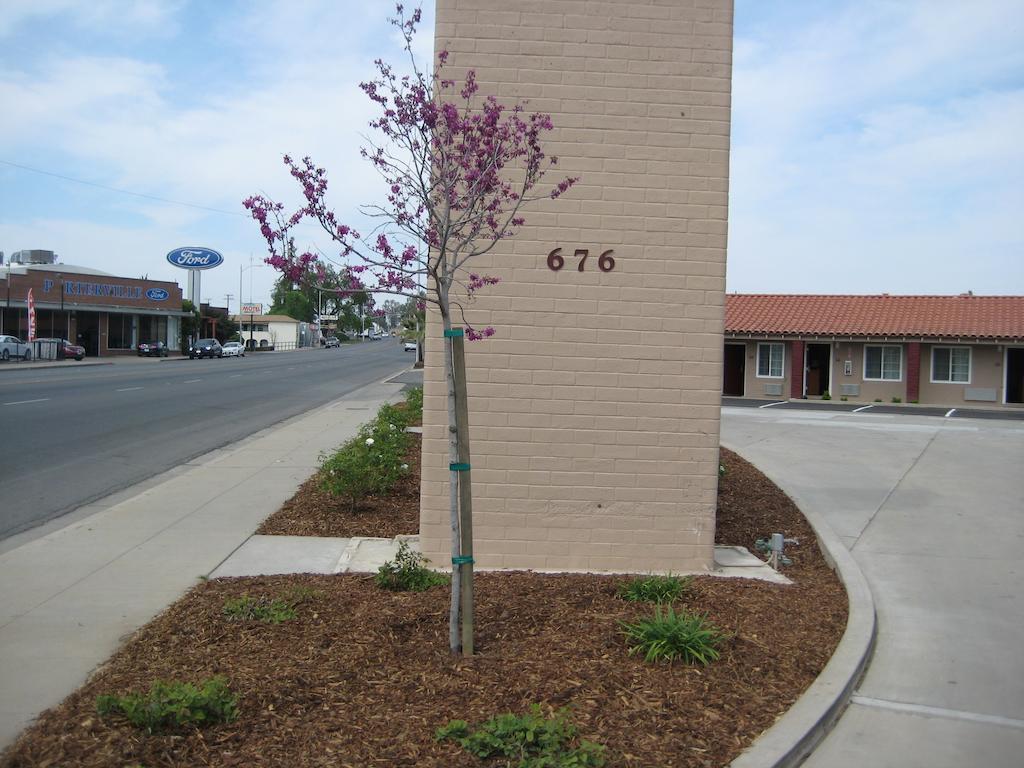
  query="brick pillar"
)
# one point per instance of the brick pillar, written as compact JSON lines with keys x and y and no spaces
{"x":913,"y":371}
{"x":796,"y":369}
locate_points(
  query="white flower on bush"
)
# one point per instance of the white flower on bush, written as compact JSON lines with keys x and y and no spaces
{"x":391,"y":427}
{"x":369,"y":441}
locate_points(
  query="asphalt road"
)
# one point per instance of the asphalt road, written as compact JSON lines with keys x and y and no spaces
{"x":70,"y":436}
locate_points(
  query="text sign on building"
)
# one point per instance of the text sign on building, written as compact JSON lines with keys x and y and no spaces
{"x":195,"y":258}
{"x":252,"y":309}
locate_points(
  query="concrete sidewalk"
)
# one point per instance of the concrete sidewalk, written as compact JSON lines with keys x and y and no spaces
{"x":69,"y":598}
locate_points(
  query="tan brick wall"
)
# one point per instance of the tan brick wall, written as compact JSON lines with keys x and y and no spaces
{"x":595,"y":408}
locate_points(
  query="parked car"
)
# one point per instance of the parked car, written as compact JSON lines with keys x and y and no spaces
{"x":152,"y":348}
{"x":66,"y":349}
{"x":234,"y":349}
{"x":12,"y":346}
{"x":205,"y":348}
{"x":410,"y":345}
{"x":332,"y":341}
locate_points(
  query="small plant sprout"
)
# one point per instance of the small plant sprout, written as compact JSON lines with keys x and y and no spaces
{"x":526,"y":741}
{"x":668,"y":636}
{"x":654,"y":589}
{"x":173,"y":705}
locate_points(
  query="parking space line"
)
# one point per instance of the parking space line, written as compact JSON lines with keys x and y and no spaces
{"x":127,"y":389}
{"x":862,"y":408}
{"x":191,"y":381}
{"x":769,"y":405}
{"x":235,"y":375}
{"x":950,"y":412}
{"x":23,"y":402}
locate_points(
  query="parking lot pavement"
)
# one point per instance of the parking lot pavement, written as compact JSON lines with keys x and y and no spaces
{"x":940,"y":411}
{"x":930,"y":508}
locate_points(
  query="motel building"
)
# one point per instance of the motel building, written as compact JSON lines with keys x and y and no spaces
{"x":946,"y":350}
{"x":106,"y":314}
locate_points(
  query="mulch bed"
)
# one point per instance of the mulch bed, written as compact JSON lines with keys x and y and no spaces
{"x":315,"y":512}
{"x":363,"y":677}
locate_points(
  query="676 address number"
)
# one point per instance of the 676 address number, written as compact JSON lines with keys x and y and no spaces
{"x":605,"y":262}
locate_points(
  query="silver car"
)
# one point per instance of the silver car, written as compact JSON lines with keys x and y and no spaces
{"x":234,"y":349}
{"x":12,"y":346}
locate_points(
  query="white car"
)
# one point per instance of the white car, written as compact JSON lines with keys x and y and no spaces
{"x":12,"y":346}
{"x":234,"y":349}
{"x":410,"y":346}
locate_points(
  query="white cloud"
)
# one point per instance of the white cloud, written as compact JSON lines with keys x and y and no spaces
{"x":876,"y":148}
{"x":110,"y":16}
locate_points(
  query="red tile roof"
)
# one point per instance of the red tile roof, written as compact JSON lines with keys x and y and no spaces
{"x":965,"y":316}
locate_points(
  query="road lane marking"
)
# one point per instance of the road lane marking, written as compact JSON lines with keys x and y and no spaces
{"x":235,"y":375}
{"x":769,"y":405}
{"x":128,"y":389}
{"x":191,"y":381}
{"x":950,"y":412}
{"x":862,"y":408}
{"x":23,"y":402}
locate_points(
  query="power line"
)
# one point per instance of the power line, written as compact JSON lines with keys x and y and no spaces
{"x":122,"y":191}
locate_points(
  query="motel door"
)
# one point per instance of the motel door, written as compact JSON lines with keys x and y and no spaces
{"x":817,"y":367}
{"x":735,"y":370}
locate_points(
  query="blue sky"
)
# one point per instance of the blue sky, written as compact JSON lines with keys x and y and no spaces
{"x":876,"y":145}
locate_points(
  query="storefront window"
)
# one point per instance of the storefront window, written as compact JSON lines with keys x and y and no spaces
{"x":119,"y":331}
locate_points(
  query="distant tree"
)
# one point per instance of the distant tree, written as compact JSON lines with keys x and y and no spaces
{"x":189,"y":326}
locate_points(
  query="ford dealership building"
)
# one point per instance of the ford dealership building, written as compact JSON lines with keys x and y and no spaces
{"x":106,"y":314}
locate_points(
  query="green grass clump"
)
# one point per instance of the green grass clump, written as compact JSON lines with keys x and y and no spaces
{"x":173,"y":705}
{"x":668,"y":636}
{"x":655,"y":589}
{"x":414,"y":404}
{"x":271,"y":610}
{"x":526,"y":741}
{"x":408,"y":572}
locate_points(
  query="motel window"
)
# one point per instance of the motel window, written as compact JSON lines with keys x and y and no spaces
{"x":883,"y":363}
{"x":951,"y":364}
{"x":769,"y":361}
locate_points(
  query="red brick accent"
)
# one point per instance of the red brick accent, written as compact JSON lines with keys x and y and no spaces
{"x":796,"y":369}
{"x":913,"y":371}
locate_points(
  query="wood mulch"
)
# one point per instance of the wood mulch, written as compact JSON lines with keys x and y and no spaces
{"x":363,"y":677}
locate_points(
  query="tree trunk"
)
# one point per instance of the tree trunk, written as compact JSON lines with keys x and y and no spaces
{"x":454,"y":642}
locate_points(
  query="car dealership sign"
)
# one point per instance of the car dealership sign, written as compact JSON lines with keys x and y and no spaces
{"x":195,"y":258}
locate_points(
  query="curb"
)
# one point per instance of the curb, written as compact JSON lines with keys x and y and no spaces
{"x":802,"y":727}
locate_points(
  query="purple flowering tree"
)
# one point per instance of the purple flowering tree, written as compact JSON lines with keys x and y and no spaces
{"x":459,"y":169}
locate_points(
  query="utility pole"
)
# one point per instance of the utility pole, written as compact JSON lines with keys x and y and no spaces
{"x":227,"y":300}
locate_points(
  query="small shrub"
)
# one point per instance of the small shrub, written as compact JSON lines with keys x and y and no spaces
{"x":371,"y":462}
{"x":897,"y":399}
{"x":668,"y":636}
{"x":655,"y":589}
{"x":407,"y":572}
{"x":398,"y":415}
{"x":915,"y":402}
{"x":878,"y":399}
{"x":173,"y":705}
{"x":527,"y":741}
{"x":414,"y":402}
{"x":843,"y":398}
{"x":721,"y":471}
{"x":825,"y":395}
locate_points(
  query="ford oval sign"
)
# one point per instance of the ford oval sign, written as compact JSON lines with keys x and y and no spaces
{"x":195,"y":258}
{"x":157,"y":294}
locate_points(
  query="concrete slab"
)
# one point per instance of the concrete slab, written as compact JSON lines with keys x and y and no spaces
{"x":268,"y":555}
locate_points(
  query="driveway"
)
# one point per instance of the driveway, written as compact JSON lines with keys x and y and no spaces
{"x":932,"y":509}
